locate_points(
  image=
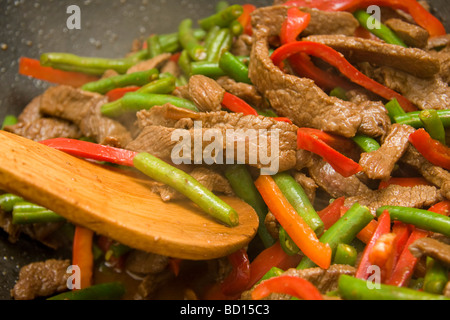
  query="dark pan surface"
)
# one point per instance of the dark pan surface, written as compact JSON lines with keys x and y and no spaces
{"x":108,"y":27}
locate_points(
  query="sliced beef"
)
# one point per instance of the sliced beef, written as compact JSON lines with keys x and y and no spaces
{"x":152,"y":283}
{"x":304,"y":102}
{"x":206,"y":93}
{"x":242,"y":46}
{"x":444,"y":60}
{"x":41,"y":279}
{"x":433,"y":174}
{"x":32,"y":125}
{"x":425,"y":93}
{"x":394,"y":195}
{"x":335,"y":184}
{"x":307,"y":183}
{"x":144,"y":263}
{"x":153,"y":63}
{"x":411,"y":34}
{"x":83,"y":109}
{"x":246,"y":92}
{"x":379,"y":164}
{"x":324,"y":280}
{"x":412,"y":60}
{"x":432,"y":248}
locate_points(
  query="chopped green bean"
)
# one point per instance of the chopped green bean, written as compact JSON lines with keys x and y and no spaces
{"x":188,"y":186}
{"x":223,"y":18}
{"x":8,"y":201}
{"x":9,"y":120}
{"x":367,"y":144}
{"x":436,"y":277}
{"x":243,"y":186}
{"x":343,"y":231}
{"x":185,"y":63}
{"x":234,"y":68}
{"x":219,"y":45}
{"x":351,"y":288}
{"x":412,"y":118}
{"x":433,"y":125}
{"x":272,"y":273}
{"x":381,"y":31}
{"x":345,"y":254}
{"x":211,"y":36}
{"x":394,"y":109}
{"x":28,"y":213}
{"x":105,"y":291}
{"x":420,"y":218}
{"x":287,"y":243}
{"x":340,"y":93}
{"x":236,"y":28}
{"x":139,"y":101}
{"x":222,"y":5}
{"x":208,"y":69}
{"x":154,"y":46}
{"x":171,"y":42}
{"x":188,"y":41}
{"x":140,"y":78}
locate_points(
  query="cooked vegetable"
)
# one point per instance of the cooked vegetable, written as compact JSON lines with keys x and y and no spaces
{"x":345,"y":254}
{"x":237,"y":105}
{"x":188,"y":41}
{"x":293,"y":286}
{"x":412,"y":118}
{"x":104,"y":291}
{"x":140,"y":101}
{"x":219,"y":45}
{"x":205,"y":68}
{"x":154,"y":46}
{"x":237,"y":281}
{"x":29,"y":213}
{"x":394,"y":110}
{"x":234,"y":68}
{"x":367,"y":144}
{"x":433,"y":125}
{"x":223,"y":18}
{"x":436,"y":277}
{"x":8,"y":201}
{"x":82,"y":255}
{"x":295,"y":23}
{"x":185,"y":184}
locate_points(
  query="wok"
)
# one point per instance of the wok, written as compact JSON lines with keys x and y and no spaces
{"x":30,"y":28}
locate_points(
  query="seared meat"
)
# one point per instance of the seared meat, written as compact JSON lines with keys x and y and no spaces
{"x":432,"y":248}
{"x":41,"y":279}
{"x":308,"y":184}
{"x":206,"y":93}
{"x":83,"y":109}
{"x":144,"y":263}
{"x":411,"y":34}
{"x":155,"y":62}
{"x":444,"y":59}
{"x":394,"y":195}
{"x":380,"y":164}
{"x":152,"y":283}
{"x":304,"y":102}
{"x":244,"y":91}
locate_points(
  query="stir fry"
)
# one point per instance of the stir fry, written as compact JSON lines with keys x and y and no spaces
{"x":339,"y":130}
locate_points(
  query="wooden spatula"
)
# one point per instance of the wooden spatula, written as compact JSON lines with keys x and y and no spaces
{"x":117,"y":205}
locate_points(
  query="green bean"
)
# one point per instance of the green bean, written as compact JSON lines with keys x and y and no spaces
{"x":298,"y":198}
{"x":154,"y":46}
{"x":286,"y":242}
{"x":208,"y":69}
{"x":272,"y":273}
{"x":383,"y":32}
{"x":433,"y":125}
{"x":105,"y":291}
{"x":140,"y":78}
{"x":345,"y":254}
{"x":28,"y":213}
{"x":188,"y":186}
{"x":8,"y":201}
{"x":95,"y":66}
{"x":185,"y":63}
{"x":367,"y":144}
{"x":171,"y":42}
{"x":222,"y":5}
{"x":234,"y":68}
{"x":339,"y":93}
{"x":236,"y":28}
{"x":211,"y":36}
{"x":412,"y":118}
{"x":343,"y":231}
{"x":436,"y":277}
{"x":118,"y":250}
{"x":351,"y":288}
{"x":221,"y":44}
{"x":223,"y":18}
{"x":394,"y":109}
{"x":9,"y":120}
{"x":161,"y":86}
{"x":420,"y":218}
{"x":139,"y":101}
{"x":268,"y":113}
{"x":188,"y":41}
{"x":243,"y":186}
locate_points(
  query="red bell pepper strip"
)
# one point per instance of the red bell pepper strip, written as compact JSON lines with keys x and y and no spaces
{"x":283,"y":119}
{"x":367,"y":233}
{"x":406,"y":263}
{"x":331,"y":214}
{"x":295,"y":23}
{"x":32,"y":68}
{"x":118,"y":93}
{"x":384,"y":226}
{"x":293,"y":286}
{"x":441,"y":208}
{"x":403,"y":232}
{"x":404,"y":182}
{"x":337,"y":60}
{"x":245,"y":18}
{"x":433,"y":150}
{"x":343,"y":165}
{"x":82,"y":255}
{"x":175,"y":265}
{"x":237,"y":281}
{"x":383,"y":254}
{"x":420,"y":15}
{"x":300,"y":232}
{"x":237,"y":105}
{"x":335,"y":141}
{"x":92,"y":151}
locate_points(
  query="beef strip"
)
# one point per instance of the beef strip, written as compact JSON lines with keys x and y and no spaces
{"x":394,"y":195}
{"x":83,"y":109}
{"x":32,"y":125}
{"x":152,"y":283}
{"x":308,"y":184}
{"x":242,"y":46}
{"x":206,"y":93}
{"x":41,"y":279}
{"x":411,"y":34}
{"x":444,"y":59}
{"x":425,"y":93}
{"x":432,"y":248}
{"x":155,"y":62}
{"x":433,"y":174}
{"x":379,"y":164}
{"x":412,"y":60}
{"x":144,"y":263}
{"x":304,"y":102}
{"x":335,"y":184}
{"x":246,"y":92}
{"x":324,"y":280}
